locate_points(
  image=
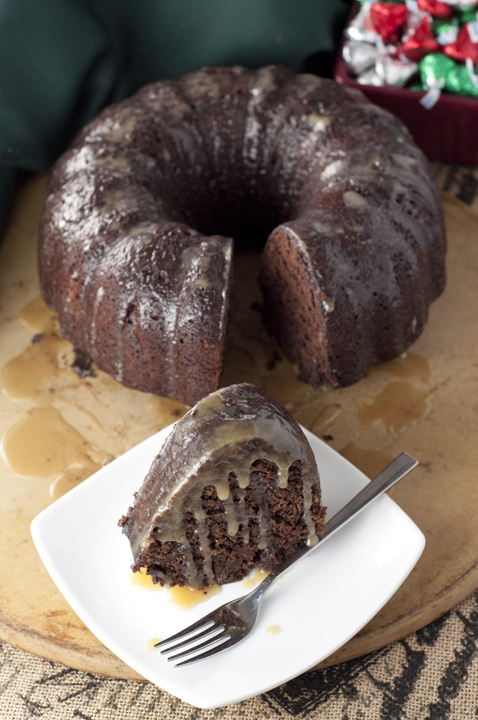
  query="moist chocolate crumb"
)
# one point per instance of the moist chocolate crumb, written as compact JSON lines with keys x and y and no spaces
{"x":36,"y":338}
{"x":328,"y":437}
{"x":257,"y":523}
{"x":82,"y":364}
{"x":232,"y":557}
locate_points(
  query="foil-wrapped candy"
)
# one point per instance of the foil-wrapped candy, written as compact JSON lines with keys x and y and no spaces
{"x":370,"y":77}
{"x":466,"y":44}
{"x":388,"y":18}
{"x":446,"y":31}
{"x":395,"y":72}
{"x":361,"y":27}
{"x":360,"y":56}
{"x":418,"y":42}
{"x":436,"y":8}
{"x":390,"y":42}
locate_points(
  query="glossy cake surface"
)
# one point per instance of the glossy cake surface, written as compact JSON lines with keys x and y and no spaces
{"x":135,"y":244}
{"x":234,"y":486}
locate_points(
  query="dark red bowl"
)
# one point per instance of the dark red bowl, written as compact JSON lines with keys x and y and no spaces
{"x":447,"y":132}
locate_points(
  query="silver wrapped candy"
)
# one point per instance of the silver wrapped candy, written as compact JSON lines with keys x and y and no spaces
{"x":370,"y":77}
{"x":369,"y":59}
{"x":360,"y":28}
{"x":360,"y":56}
{"x":395,"y":72}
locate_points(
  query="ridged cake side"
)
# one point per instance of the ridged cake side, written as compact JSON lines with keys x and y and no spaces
{"x":134,"y":249}
{"x":348,"y":279}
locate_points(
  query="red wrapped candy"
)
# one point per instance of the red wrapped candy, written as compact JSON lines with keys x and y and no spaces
{"x":387,"y":18}
{"x":466,"y":45}
{"x":436,"y":8}
{"x":420,"y":43}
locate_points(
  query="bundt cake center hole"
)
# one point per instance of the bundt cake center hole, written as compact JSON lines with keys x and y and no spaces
{"x":249,"y":225}
{"x":244,"y":205}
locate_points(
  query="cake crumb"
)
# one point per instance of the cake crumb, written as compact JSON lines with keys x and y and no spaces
{"x":82,"y":364}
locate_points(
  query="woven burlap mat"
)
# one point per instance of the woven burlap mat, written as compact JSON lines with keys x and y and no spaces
{"x":431,"y":675}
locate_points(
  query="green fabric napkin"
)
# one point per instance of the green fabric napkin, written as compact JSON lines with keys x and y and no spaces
{"x":64,"y":60}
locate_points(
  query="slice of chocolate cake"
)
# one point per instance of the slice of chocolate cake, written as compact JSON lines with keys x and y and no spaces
{"x":234,"y":486}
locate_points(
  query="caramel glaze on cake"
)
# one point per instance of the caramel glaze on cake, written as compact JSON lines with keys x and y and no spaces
{"x":234,"y":486}
{"x":135,"y":248}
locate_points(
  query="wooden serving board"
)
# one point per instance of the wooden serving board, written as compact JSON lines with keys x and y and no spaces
{"x":424,"y":403}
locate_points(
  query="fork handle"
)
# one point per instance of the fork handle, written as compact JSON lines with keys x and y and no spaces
{"x":395,"y":471}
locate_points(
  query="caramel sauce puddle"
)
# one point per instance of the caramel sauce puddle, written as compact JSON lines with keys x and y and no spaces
{"x":183,"y":597}
{"x":53,"y":440}
{"x":75,"y":425}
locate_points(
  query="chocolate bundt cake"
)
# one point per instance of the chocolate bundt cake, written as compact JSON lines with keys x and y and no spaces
{"x":135,"y":249}
{"x":234,"y":486}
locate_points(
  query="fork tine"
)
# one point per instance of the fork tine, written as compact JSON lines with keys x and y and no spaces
{"x":199,"y":625}
{"x":223,"y":634}
{"x":208,"y":631}
{"x":213,"y":651}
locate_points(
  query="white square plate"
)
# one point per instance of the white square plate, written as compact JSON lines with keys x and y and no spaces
{"x":318,"y":605}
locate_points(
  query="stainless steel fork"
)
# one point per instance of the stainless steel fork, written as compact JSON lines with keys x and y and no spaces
{"x":232,"y":622}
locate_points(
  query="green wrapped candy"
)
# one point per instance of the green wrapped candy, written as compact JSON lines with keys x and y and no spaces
{"x":459,"y":82}
{"x":434,"y":69}
{"x":440,"y":25}
{"x":445,"y":31}
{"x":416,"y":87}
{"x":466,"y":13}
